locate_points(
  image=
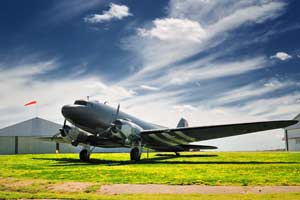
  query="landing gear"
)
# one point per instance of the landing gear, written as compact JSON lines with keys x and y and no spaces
{"x":177,"y":154}
{"x":74,"y":143}
{"x":135,"y":154}
{"x":136,"y":150}
{"x":84,"y":155}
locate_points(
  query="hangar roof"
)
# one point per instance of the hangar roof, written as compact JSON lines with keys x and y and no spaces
{"x":35,"y":127}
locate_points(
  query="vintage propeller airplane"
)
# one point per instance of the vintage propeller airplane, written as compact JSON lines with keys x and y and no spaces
{"x":95,"y":124}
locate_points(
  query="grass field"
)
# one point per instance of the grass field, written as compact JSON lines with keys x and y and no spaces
{"x":214,"y":168}
{"x":271,"y":168}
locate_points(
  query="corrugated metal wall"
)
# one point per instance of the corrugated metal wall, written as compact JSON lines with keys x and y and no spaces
{"x":294,"y":145}
{"x":7,"y":145}
{"x":31,"y":145}
{"x":22,"y":138}
{"x":294,"y":140}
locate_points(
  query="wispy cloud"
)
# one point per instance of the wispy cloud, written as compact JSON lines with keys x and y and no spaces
{"x":186,"y":31}
{"x":273,"y":108}
{"x":249,"y":14}
{"x":65,"y":10}
{"x":255,"y":90}
{"x":115,"y":12}
{"x":184,"y":107}
{"x":189,"y":66}
{"x":23,"y":83}
{"x":193,"y":72}
{"x":148,"y":87}
{"x":27,"y":71}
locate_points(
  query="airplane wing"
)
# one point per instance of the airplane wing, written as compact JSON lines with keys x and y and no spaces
{"x":159,"y":138}
{"x":53,"y":139}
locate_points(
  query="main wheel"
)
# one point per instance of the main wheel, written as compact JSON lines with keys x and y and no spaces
{"x":84,"y":155}
{"x":177,"y":154}
{"x":135,"y":154}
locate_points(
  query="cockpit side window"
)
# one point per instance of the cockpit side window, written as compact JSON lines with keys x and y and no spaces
{"x":80,"y":102}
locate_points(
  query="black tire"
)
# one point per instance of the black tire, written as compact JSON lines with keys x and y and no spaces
{"x":84,"y":155}
{"x":135,"y":154}
{"x":177,"y":154}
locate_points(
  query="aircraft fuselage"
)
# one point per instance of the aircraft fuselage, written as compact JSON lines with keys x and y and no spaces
{"x":95,"y":117}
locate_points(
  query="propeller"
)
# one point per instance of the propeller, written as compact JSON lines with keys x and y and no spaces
{"x":117,"y":113}
{"x":116,"y":123}
{"x":116,"y":127}
{"x":65,"y":129}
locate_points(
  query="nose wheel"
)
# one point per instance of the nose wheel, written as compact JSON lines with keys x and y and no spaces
{"x":84,"y":155}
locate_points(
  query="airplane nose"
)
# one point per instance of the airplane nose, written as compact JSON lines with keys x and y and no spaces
{"x":66,"y":111}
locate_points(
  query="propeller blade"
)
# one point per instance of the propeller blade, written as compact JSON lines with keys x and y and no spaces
{"x":117,"y":113}
{"x":62,"y":130}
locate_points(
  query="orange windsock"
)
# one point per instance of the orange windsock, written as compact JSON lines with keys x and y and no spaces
{"x":30,"y":103}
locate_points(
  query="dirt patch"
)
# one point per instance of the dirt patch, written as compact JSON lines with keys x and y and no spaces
{"x":193,"y":189}
{"x":70,"y":187}
{"x":17,"y":183}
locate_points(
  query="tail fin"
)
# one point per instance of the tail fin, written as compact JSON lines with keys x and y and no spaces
{"x":182,"y":123}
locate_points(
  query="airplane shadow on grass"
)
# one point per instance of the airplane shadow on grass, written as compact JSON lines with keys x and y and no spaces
{"x":159,"y":159}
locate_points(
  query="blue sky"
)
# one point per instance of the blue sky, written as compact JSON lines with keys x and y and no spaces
{"x":212,"y":62}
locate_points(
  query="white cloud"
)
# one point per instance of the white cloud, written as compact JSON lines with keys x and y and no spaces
{"x":254,"y":90}
{"x":162,"y":107}
{"x":184,"y":107}
{"x":286,"y":106}
{"x":171,"y":29}
{"x":252,"y":13}
{"x":197,"y":72}
{"x":23,"y":83}
{"x":112,"y":92}
{"x":65,"y":10}
{"x":193,"y":27}
{"x":230,"y":13}
{"x":27,"y":70}
{"x":115,"y":12}
{"x":148,"y":87}
{"x":281,"y":56}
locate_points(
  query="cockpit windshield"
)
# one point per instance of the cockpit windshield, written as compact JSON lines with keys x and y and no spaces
{"x":80,"y":102}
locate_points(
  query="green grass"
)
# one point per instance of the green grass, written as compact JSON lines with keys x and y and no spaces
{"x":17,"y":195}
{"x":214,"y":168}
{"x":30,"y":176}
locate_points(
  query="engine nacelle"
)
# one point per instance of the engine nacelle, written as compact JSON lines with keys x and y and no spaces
{"x":127,"y":130}
{"x":75,"y":134}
